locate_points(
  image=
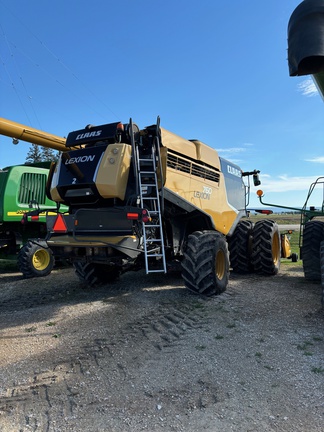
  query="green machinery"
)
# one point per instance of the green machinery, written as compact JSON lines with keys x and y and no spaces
{"x":22,"y":190}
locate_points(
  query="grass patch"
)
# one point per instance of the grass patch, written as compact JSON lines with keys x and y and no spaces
{"x":198,"y":305}
{"x":268,"y":367}
{"x":200,"y":347}
{"x":30,"y":329}
{"x":317,"y":370}
{"x":280,"y":218}
{"x":230,"y":326}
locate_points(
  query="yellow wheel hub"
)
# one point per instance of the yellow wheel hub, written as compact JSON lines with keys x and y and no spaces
{"x":220,"y":266}
{"x":41,"y":259}
{"x":276,"y":250}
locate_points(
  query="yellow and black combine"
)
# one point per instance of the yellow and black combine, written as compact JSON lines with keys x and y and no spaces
{"x":150,"y":199}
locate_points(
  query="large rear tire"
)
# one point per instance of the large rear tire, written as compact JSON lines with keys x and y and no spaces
{"x":322,"y":270}
{"x":35,"y":259}
{"x":205,"y":267}
{"x":266,"y":247}
{"x":95,"y":274}
{"x":240,"y":247}
{"x":313,"y":234}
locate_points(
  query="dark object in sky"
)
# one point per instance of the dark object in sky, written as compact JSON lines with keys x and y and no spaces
{"x":306,"y":38}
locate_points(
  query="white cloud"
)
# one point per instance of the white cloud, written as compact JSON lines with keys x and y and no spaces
{"x":307,"y":88}
{"x":232,"y":150}
{"x":318,"y":159}
{"x":284,"y":183}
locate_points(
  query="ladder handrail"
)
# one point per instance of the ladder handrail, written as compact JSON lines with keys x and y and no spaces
{"x":155,"y":209}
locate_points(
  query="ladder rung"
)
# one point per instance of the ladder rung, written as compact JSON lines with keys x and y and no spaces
{"x":156,"y":271}
{"x":154,"y":255}
{"x":151,"y":198}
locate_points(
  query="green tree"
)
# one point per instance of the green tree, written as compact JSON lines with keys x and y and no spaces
{"x":37,"y":153}
{"x":49,"y":154}
{"x":34,"y":154}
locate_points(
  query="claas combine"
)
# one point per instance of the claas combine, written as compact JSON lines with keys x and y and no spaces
{"x":150,"y":199}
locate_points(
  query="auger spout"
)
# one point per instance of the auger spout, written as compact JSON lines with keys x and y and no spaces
{"x":25,"y":133}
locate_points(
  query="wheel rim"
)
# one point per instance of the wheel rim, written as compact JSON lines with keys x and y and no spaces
{"x":41,"y":259}
{"x":220,"y":265}
{"x":276,"y":250}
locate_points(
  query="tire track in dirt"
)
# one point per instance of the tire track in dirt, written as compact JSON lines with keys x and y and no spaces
{"x":59,"y":393}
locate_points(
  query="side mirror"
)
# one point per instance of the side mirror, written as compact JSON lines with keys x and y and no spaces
{"x":256,"y":180}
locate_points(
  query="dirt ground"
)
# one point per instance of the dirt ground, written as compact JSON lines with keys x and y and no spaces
{"x":145,"y":354}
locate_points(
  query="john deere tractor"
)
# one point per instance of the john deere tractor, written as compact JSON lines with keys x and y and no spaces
{"x":22,"y":190}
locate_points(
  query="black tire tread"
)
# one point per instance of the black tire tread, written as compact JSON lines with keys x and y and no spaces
{"x":25,"y":263}
{"x":262,"y":255}
{"x":95,"y":274}
{"x":240,"y":247}
{"x":198,"y":265}
{"x":313,"y":234}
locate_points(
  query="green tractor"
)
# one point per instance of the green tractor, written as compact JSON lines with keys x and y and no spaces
{"x":22,"y":190}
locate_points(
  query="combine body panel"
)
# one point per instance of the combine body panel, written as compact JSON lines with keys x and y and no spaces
{"x":151,"y":199}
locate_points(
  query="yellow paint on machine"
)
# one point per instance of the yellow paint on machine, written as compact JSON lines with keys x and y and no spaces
{"x":22,"y":212}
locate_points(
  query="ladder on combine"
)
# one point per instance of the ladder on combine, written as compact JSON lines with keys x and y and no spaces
{"x":153,"y":241}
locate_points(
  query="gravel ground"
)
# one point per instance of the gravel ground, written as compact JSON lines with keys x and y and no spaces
{"x":145,"y":354}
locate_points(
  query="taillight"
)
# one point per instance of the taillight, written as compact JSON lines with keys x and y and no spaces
{"x":145,"y":216}
{"x":132,"y":216}
{"x":26,"y":218}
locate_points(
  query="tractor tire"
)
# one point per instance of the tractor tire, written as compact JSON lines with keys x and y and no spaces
{"x":240,"y":247}
{"x":35,"y":259}
{"x":313,"y":234}
{"x":322,"y":269}
{"x":205,"y":266}
{"x":95,"y":274}
{"x":266,"y":247}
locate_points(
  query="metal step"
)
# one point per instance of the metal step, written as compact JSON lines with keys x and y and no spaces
{"x":143,"y":170}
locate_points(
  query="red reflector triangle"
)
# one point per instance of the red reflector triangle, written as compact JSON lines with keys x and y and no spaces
{"x":59,"y":225}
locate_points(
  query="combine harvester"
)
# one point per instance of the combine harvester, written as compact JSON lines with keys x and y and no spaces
{"x":150,"y":199}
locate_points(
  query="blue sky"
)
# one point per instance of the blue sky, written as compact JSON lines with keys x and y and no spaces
{"x":214,"y":71}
